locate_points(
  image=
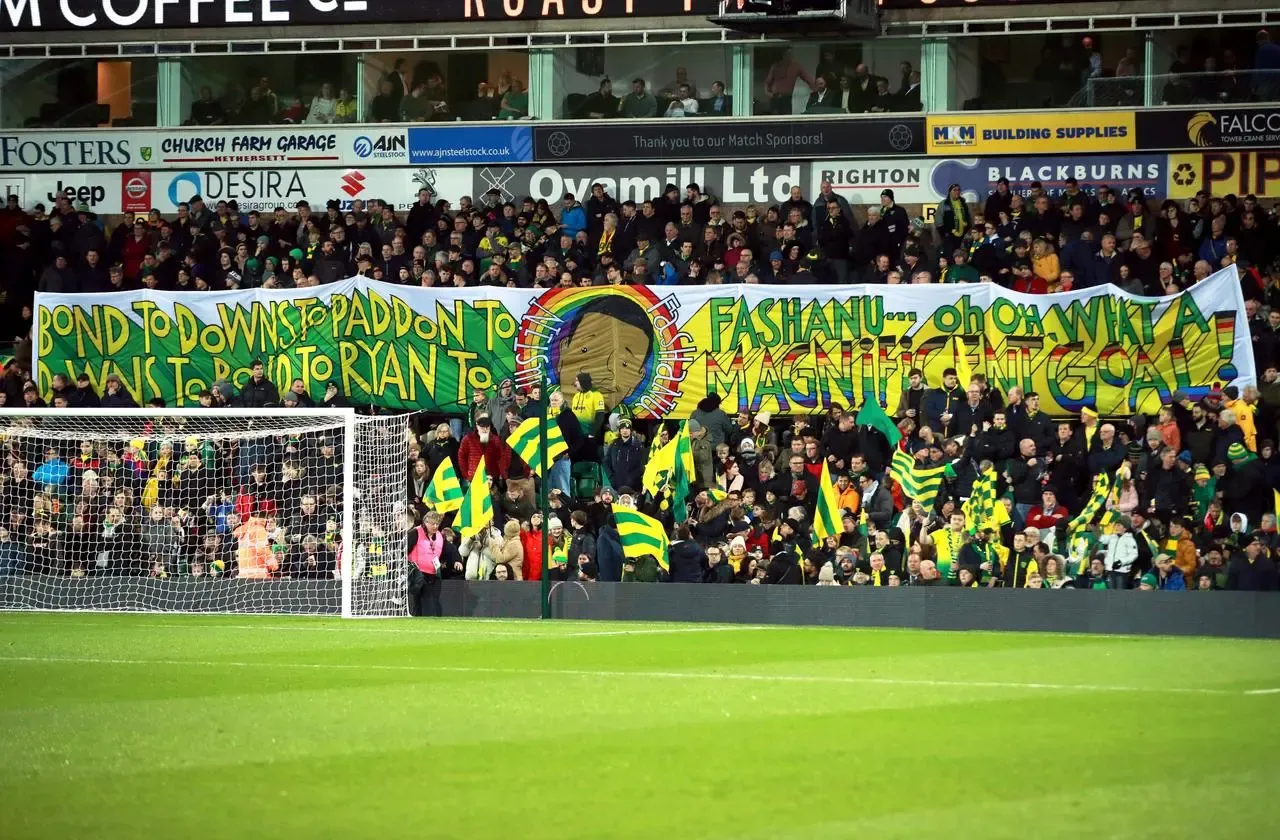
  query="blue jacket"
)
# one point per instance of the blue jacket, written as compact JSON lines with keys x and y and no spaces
{"x":1213,"y":250}
{"x":1174,"y":582}
{"x":938,"y":402}
{"x":573,"y":220}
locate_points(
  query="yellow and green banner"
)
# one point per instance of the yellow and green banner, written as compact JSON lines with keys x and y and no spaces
{"x":658,"y":350}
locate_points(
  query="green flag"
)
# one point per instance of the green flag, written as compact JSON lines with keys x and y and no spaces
{"x":873,"y":415}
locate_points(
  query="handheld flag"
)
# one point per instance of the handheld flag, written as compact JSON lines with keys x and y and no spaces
{"x":525,"y":442}
{"x":683,"y":473}
{"x":444,"y":493}
{"x":641,"y":535}
{"x":1096,"y":502}
{"x":827,"y":519}
{"x":873,"y":415}
{"x":662,"y":463}
{"x":477,"y":506}
{"x":918,"y":483}
{"x":983,"y":510}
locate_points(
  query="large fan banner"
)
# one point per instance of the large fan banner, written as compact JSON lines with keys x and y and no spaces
{"x":657,"y":350}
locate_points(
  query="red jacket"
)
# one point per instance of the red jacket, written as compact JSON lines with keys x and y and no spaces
{"x":758,"y":540}
{"x":532,"y":542}
{"x":1030,"y":286}
{"x":132,"y":254}
{"x":497,"y":455}
{"x":1037,"y":518}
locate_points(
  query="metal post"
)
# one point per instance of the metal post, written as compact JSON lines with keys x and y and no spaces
{"x":543,"y":411}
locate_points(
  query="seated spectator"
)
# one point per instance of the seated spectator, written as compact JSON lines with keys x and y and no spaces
{"x":683,"y":105}
{"x":206,"y":110}
{"x":324,"y":107}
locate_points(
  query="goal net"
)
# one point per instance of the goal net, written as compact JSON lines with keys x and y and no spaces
{"x":198,"y":510}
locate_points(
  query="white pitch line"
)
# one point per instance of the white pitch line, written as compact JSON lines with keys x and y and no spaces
{"x":424,"y":629}
{"x":1261,"y":691}
{"x":661,"y":675}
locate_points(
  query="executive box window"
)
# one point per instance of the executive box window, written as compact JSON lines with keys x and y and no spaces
{"x":845,"y":77}
{"x":472,"y":85}
{"x":268,"y":89}
{"x":77,"y":93}
{"x":643,"y":82}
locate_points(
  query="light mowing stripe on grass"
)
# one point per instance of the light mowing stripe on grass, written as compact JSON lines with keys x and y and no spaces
{"x":1261,"y":691}
{"x":661,"y":675}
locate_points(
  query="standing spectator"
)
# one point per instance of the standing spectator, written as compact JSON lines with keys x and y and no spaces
{"x":780,"y":82}
{"x":258,"y":392}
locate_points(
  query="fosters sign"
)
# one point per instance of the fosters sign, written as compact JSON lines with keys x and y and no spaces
{"x":781,"y":349}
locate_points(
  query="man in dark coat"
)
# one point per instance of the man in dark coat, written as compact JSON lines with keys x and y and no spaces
{"x":626,"y":458}
{"x":686,"y":558}
{"x":258,"y":392}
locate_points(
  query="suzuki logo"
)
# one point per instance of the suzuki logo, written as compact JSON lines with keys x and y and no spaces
{"x":353,"y":183}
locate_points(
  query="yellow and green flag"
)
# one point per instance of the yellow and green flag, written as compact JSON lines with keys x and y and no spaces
{"x":477,"y":506}
{"x":918,"y":483}
{"x":983,"y":509}
{"x":444,"y":493}
{"x":641,"y":535}
{"x":526,"y":442}
{"x":827,"y":520}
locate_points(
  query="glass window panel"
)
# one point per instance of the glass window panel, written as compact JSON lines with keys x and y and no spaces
{"x":268,"y":89}
{"x":837,"y":77}
{"x":581,"y":93}
{"x":77,"y":93}
{"x":469,"y":85}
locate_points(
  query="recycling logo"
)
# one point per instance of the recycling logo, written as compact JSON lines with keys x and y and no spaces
{"x":1184,"y":175}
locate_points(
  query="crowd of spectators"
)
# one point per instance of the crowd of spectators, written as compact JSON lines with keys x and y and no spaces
{"x":1035,"y":243}
{"x":1191,"y":507}
{"x":183,"y":498}
{"x":1207,"y":77}
{"x":1192,"y":481}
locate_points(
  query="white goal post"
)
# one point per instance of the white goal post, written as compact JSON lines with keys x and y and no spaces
{"x":299,"y":511}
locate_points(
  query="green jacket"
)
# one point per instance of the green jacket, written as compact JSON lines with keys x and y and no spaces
{"x":646,"y":570}
{"x":1202,"y":496}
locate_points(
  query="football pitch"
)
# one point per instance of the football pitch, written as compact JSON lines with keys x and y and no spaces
{"x":129,"y":726}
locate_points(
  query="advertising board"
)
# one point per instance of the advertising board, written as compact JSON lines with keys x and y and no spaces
{"x":261,"y":189}
{"x":1043,"y":132}
{"x":702,"y":139}
{"x":1209,"y":128}
{"x":1224,"y":173}
{"x":926,"y":180}
{"x":735,"y":183}
{"x":57,"y":15}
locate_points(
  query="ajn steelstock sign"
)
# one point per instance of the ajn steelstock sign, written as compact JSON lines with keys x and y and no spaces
{"x":55,"y":15}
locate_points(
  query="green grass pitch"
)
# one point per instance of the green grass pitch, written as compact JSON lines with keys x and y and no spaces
{"x":138,"y":726}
